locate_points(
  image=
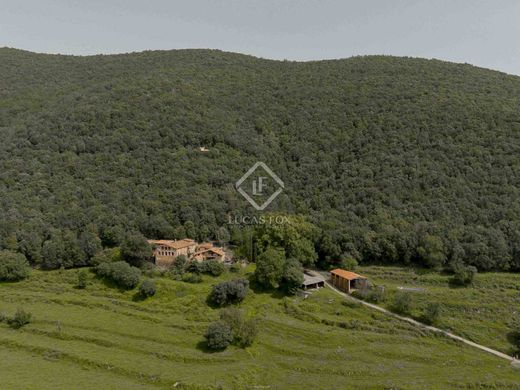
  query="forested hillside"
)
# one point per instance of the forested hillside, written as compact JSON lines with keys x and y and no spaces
{"x":396,"y":160}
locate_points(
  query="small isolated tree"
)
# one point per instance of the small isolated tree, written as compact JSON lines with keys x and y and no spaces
{"x":13,"y":266}
{"x":218,"y":335}
{"x":135,"y":249}
{"x":82,"y":279}
{"x":233,"y":291}
{"x":463,"y":275}
{"x":432,"y":314}
{"x":147,"y":288}
{"x":244,"y":330}
{"x":20,"y":319}
{"x":402,"y":303}
{"x":292,"y":276}
{"x":270,"y":267}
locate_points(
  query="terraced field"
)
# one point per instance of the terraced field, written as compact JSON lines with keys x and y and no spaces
{"x":106,"y":339}
{"x":482,"y":312}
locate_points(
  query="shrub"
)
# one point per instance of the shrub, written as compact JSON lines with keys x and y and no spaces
{"x":402,"y":303}
{"x":212,"y":267}
{"x":246,"y":334}
{"x":82,"y":279}
{"x":194,"y":267}
{"x":463,"y":275}
{"x":179,"y":265}
{"x":122,"y":273}
{"x":235,"y":268}
{"x":228,"y":292}
{"x":432,"y":314}
{"x":13,"y":266}
{"x":191,"y":278}
{"x":20,"y":319}
{"x":244,"y":331}
{"x":218,"y":335}
{"x":147,"y":288}
{"x":349,"y":263}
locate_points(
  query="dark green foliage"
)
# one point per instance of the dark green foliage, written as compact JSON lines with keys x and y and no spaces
{"x":292,"y":278}
{"x":463,"y":275}
{"x":147,"y":288}
{"x":244,"y":330}
{"x":381,"y":153}
{"x":135,"y":249}
{"x":20,"y":319}
{"x":211,"y":267}
{"x":123,"y":274}
{"x":109,"y":255}
{"x":514,"y":335}
{"x":348,"y":263}
{"x":270,"y":267}
{"x":13,"y":266}
{"x":235,"y":268}
{"x":432,"y":314}
{"x":229,"y":292}
{"x":402,"y":303}
{"x":179,"y":265}
{"x":82,"y":279}
{"x":218,"y":335}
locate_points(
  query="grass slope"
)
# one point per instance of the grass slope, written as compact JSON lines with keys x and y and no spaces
{"x":482,"y":312}
{"x":102,"y":337}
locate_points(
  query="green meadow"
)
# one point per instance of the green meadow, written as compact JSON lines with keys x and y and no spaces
{"x":482,"y":312}
{"x":105,"y":338}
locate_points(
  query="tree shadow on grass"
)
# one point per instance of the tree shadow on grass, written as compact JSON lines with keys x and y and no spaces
{"x":203,"y":347}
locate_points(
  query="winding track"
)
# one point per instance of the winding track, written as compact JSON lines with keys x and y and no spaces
{"x":514,"y":362}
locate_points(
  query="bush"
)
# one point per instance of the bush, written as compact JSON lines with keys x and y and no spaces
{"x":121,"y":273}
{"x":244,"y":331}
{"x":402,"y":303}
{"x":349,"y":263}
{"x":179,"y":265}
{"x":212,"y":267}
{"x":191,"y":278}
{"x":218,"y":335}
{"x":228,"y":292}
{"x":463,"y":275}
{"x":13,"y":266}
{"x":235,"y":268}
{"x":147,"y":288}
{"x":82,"y":279}
{"x":20,"y":319}
{"x":432,"y":314}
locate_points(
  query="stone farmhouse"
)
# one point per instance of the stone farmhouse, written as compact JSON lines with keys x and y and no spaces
{"x":166,"y":251}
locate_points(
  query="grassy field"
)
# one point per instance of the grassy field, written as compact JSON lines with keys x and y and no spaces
{"x":102,"y":338}
{"x":482,"y":312}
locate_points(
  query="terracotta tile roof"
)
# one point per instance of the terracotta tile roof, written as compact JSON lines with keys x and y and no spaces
{"x":174,"y":244}
{"x":218,"y":251}
{"x":346,"y":274}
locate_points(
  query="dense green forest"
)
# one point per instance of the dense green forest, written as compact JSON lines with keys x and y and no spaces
{"x":393,"y":160}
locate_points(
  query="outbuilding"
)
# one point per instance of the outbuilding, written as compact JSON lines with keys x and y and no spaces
{"x":347,"y":281}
